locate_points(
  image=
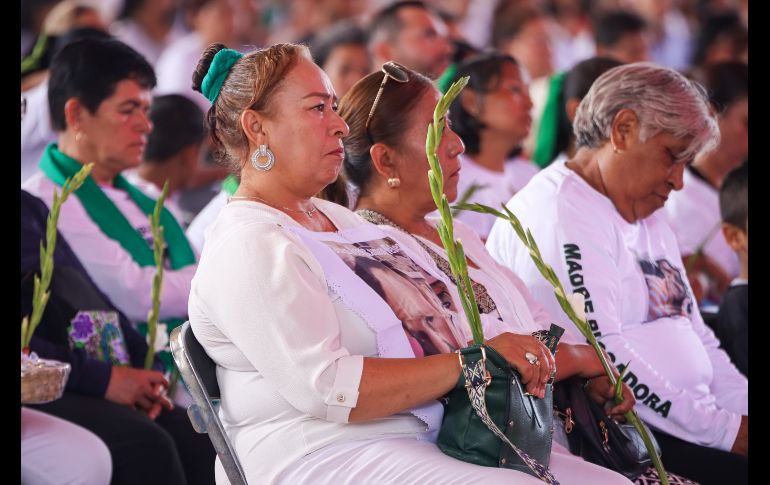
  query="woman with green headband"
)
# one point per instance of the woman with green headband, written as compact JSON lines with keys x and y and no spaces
{"x":333,"y":343}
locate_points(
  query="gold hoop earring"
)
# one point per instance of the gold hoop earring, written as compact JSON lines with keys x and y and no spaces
{"x":394,"y":182}
{"x":78,"y":136}
{"x":615,"y":149}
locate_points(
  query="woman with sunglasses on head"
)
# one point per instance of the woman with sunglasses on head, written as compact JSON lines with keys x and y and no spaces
{"x":316,"y":365}
{"x":386,"y":160}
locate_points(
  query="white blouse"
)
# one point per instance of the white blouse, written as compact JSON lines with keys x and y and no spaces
{"x":289,"y":347}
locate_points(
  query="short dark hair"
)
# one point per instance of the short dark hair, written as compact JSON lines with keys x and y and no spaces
{"x":611,"y":27}
{"x":509,"y":20}
{"x":387,"y":21}
{"x":177,"y":123}
{"x":734,"y":197}
{"x":725,"y":83}
{"x":89,"y":70}
{"x":582,"y":75}
{"x":714,"y":27}
{"x":577,"y":83}
{"x":339,"y":34}
{"x":484,"y":71}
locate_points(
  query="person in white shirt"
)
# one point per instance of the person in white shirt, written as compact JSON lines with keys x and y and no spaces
{"x":211,"y":21}
{"x":319,"y":379}
{"x":148,"y":26}
{"x":595,"y":221}
{"x":388,"y":162}
{"x":693,"y":212}
{"x":54,"y":450}
{"x":492,"y":117}
{"x":99,"y":95}
{"x":173,"y":149}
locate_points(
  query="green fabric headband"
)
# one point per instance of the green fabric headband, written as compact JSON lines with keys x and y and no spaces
{"x":218,"y":70}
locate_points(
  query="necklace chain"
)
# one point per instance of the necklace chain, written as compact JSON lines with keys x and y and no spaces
{"x":308,"y":213}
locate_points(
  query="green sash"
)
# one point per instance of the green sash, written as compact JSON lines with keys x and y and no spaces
{"x":545,"y":144}
{"x":58,"y":166}
{"x":230,"y":184}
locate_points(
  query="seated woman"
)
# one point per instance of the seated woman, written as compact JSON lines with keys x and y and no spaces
{"x":596,"y":219}
{"x":386,"y":161}
{"x":108,"y":391}
{"x":492,"y":117}
{"x":319,"y":379}
{"x":99,"y":99}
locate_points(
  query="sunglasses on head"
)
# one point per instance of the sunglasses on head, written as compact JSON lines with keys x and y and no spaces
{"x":397,"y":73}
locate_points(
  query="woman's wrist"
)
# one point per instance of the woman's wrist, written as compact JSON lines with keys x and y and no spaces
{"x":589,"y":364}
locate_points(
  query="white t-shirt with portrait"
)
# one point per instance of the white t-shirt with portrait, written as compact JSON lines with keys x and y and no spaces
{"x":638,"y":303}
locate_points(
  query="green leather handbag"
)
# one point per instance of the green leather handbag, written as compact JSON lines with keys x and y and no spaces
{"x":490,"y":420}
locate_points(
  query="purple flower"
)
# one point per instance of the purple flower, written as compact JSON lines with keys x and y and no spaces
{"x":82,"y":327}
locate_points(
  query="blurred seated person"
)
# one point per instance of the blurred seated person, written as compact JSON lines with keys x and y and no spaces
{"x":341,"y":51}
{"x":36,"y":129}
{"x":555,"y":138}
{"x":522,"y":31}
{"x":173,"y":149}
{"x":721,"y":38}
{"x":492,"y":117}
{"x":622,"y":35}
{"x":63,"y":17}
{"x":55,"y":451}
{"x":210,"y":21}
{"x":732,"y":325}
{"x":694,"y":211}
{"x":108,"y":391}
{"x":99,"y":100}
{"x":410,"y":33}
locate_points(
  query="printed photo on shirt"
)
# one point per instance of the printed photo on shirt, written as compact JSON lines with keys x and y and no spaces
{"x":668,"y":293}
{"x":422,"y":302}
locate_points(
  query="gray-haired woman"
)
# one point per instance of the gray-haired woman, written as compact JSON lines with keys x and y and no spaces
{"x":595,"y":220}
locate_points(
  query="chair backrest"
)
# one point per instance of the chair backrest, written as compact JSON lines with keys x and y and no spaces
{"x":199,"y":373}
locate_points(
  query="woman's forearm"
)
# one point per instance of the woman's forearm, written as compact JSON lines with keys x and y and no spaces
{"x":577,"y":360}
{"x":389,"y":386}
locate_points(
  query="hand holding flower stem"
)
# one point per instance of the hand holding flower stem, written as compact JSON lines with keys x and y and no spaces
{"x":574,"y":308}
{"x":40,"y":293}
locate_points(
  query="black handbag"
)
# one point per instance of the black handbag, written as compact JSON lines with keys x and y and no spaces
{"x":596,"y":437}
{"x":490,"y":420}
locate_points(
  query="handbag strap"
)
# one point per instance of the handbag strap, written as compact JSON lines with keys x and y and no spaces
{"x":477,"y":378}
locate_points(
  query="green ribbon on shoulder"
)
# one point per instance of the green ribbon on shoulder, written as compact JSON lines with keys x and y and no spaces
{"x":230,"y":184}
{"x":58,"y":166}
{"x":545,"y":143}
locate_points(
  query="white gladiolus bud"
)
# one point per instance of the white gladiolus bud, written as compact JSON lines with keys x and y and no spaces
{"x":161,"y":338}
{"x":578,"y":303}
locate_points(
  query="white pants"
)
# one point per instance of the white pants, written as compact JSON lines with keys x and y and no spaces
{"x":55,"y":451}
{"x":409,"y":461}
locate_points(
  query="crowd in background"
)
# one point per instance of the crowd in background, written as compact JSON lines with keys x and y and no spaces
{"x":530,"y":62}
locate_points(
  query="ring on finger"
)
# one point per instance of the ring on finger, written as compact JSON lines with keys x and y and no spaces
{"x":532,"y":358}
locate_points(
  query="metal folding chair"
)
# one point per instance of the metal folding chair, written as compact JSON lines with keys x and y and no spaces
{"x":200,"y":374}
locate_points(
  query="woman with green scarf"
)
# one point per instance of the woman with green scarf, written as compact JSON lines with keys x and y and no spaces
{"x":99,"y":98}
